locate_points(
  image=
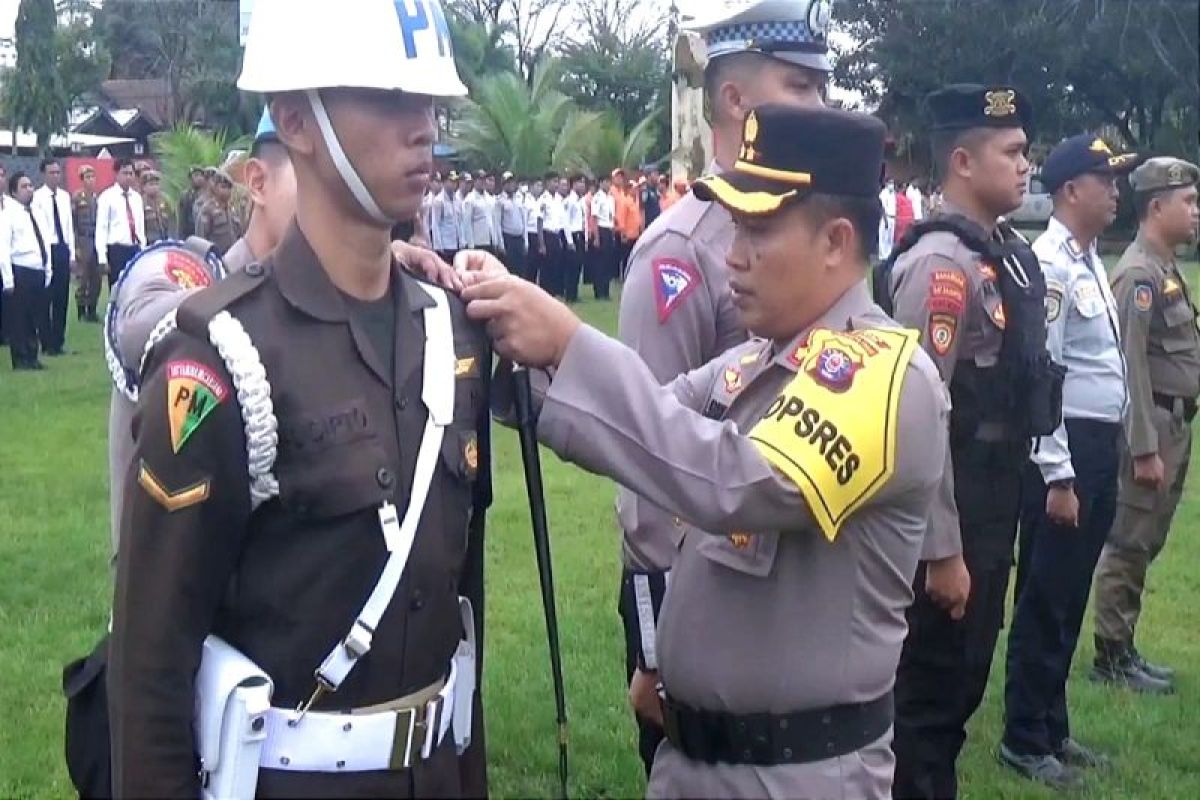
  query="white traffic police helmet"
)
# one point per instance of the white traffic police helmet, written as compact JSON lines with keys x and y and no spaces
{"x":308,"y":45}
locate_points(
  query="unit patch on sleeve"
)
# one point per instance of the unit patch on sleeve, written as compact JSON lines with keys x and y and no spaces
{"x":193,"y":392}
{"x":1143,"y":296}
{"x":942,"y":328}
{"x":947,"y":292}
{"x":674,"y":280}
{"x":185,"y":270}
{"x":1054,"y":297}
{"x":836,"y":439}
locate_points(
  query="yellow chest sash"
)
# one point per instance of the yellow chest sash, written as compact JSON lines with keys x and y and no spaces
{"x":832,"y":430}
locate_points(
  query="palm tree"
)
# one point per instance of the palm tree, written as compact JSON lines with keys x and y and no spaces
{"x":479,"y":50}
{"x":525,"y":128}
{"x":610,"y":147}
{"x":182,"y":147}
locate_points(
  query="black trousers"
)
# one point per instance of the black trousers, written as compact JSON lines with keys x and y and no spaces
{"x":533,"y":259}
{"x":649,"y":733}
{"x":514,"y":254}
{"x":944,"y":666}
{"x":550,"y":273}
{"x":624,"y":249}
{"x":1054,"y":579}
{"x":573,"y":266}
{"x":24,"y":310}
{"x":53,"y":329}
{"x":604,"y":265}
{"x":118,"y":256}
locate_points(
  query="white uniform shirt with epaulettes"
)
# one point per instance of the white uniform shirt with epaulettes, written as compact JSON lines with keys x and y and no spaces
{"x":677,"y":313}
{"x":1083,"y":335}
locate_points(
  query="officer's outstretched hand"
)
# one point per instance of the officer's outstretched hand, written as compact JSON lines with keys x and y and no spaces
{"x":526,"y":325}
{"x":428,"y":265}
{"x":474,"y":266}
{"x":948,"y":584}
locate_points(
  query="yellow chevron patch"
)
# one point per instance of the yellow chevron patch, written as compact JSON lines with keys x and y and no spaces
{"x":172,"y":501}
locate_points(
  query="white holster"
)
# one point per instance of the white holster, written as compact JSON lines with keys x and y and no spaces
{"x":233,"y":696}
{"x":464,"y":689}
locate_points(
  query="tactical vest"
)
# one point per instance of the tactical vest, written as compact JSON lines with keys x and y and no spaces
{"x":1023,"y":391}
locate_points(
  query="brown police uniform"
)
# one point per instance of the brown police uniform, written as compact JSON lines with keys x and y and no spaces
{"x":784,"y":618}
{"x":187,"y":213}
{"x":985,"y":330}
{"x":284,"y":583}
{"x":221,"y":225}
{"x":1162,"y":351}
{"x":677,"y":314}
{"x":87,"y":290}
{"x":159,"y":222}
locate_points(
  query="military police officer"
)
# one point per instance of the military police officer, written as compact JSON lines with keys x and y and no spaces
{"x":975,"y":291}
{"x":277,"y":507}
{"x":83,"y":210}
{"x":676,"y":309}
{"x":1162,"y":350}
{"x":803,"y":472}
{"x":1070,"y":485}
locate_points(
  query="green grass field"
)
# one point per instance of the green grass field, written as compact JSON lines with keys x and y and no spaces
{"x":54,"y":598}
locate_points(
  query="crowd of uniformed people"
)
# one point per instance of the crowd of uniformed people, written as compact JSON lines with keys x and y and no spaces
{"x":827,"y":462}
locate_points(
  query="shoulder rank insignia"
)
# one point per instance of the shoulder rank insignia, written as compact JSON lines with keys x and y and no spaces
{"x":172,"y":501}
{"x":1143,"y":296}
{"x":740,"y":540}
{"x":466,"y":367}
{"x":1171,"y":287}
{"x":733,"y":379}
{"x":193,"y":392}
{"x":674,"y":280}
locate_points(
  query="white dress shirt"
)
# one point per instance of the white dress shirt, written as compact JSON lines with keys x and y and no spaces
{"x":511,"y":213}
{"x":918,"y":202}
{"x":604,"y":209}
{"x":444,"y":227}
{"x":43,"y":200}
{"x":1082,"y":334}
{"x":533,"y":212}
{"x":554,"y":213}
{"x":573,"y":208}
{"x":19,"y":244}
{"x":112,"y":222}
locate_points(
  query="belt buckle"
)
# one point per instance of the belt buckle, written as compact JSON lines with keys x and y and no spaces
{"x":412,"y":726}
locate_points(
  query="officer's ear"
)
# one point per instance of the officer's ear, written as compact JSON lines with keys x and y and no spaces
{"x":294,"y":123}
{"x":256,"y":180}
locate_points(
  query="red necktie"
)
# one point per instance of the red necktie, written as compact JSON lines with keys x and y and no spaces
{"x":133,"y":238}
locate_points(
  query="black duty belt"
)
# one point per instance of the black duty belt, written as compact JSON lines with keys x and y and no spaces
{"x":769,"y":739}
{"x":1170,"y":403}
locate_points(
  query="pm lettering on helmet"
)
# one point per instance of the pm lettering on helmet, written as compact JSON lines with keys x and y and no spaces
{"x":417,"y":20}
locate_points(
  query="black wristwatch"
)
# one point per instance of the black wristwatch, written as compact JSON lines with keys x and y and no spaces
{"x":1063,"y":483}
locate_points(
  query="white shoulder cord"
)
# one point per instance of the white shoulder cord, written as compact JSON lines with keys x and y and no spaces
{"x":437,"y":394}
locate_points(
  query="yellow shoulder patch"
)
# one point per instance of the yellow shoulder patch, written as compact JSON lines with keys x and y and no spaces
{"x":172,"y":501}
{"x":832,"y":430}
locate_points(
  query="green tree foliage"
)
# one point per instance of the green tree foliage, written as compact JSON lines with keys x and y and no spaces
{"x":34,"y":98}
{"x":83,"y":60}
{"x":479,"y":49}
{"x":611,"y":147}
{"x":192,"y":44}
{"x":1129,"y":66}
{"x":183,"y":146}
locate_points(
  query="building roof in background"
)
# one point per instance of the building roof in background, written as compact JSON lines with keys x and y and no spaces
{"x":27,"y":140}
{"x":150,"y":96}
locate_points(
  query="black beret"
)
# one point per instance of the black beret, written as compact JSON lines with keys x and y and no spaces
{"x":788,"y":152}
{"x":972,"y":105}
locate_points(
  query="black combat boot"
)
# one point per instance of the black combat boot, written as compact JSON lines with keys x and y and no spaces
{"x":1163,"y":673}
{"x":1115,"y":665}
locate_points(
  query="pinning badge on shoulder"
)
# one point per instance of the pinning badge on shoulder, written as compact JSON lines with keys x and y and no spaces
{"x":193,"y":392}
{"x":1143,"y":296}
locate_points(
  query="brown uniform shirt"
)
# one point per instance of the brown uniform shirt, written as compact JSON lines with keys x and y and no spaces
{"x":83,"y":209}
{"x":160,"y":223}
{"x":283,"y":584}
{"x":677,"y":313}
{"x":1159,"y":335}
{"x":763,"y":613}
{"x":221,"y":225}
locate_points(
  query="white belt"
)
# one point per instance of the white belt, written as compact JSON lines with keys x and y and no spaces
{"x":325,"y":741}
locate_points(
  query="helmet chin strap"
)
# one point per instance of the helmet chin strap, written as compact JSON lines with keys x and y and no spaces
{"x":342,"y":163}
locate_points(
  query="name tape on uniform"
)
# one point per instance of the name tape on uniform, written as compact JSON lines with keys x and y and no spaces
{"x":832,"y":431}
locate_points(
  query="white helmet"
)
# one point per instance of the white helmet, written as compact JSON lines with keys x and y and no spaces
{"x":306,"y":45}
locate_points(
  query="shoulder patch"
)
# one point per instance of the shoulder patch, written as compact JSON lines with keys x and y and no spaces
{"x":947,"y":291}
{"x":185,"y":270}
{"x":1054,"y":296}
{"x":1143,"y":296}
{"x":942,"y":329}
{"x":674,"y":280}
{"x":193,"y":392}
